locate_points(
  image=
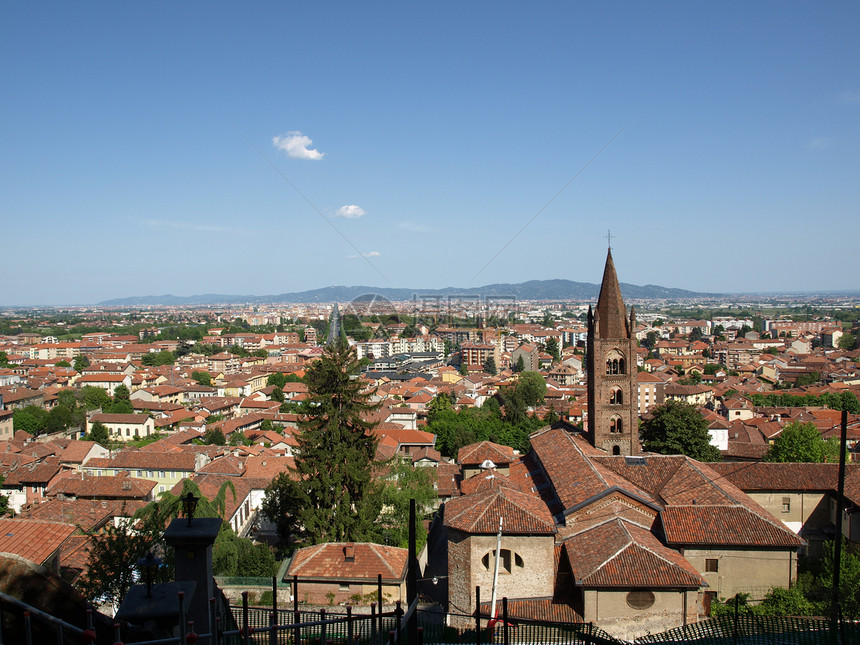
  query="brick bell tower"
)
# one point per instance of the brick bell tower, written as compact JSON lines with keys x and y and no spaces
{"x":613,"y":421}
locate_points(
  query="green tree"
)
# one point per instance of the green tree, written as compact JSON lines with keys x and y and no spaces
{"x":4,"y":358}
{"x":490,"y":366}
{"x":30,"y":419}
{"x":677,"y":428}
{"x":155,"y":359}
{"x":520,"y":365}
{"x":404,"y":482}
{"x":214,"y":436}
{"x":802,"y":442}
{"x":111,"y":571}
{"x":80,"y":363}
{"x":99,"y":433}
{"x":278,"y":380}
{"x":847,"y":341}
{"x":335,"y":496}
{"x":552,"y":348}
{"x":62,"y":364}
{"x":203,"y":378}
{"x":94,"y":397}
{"x":532,"y":387}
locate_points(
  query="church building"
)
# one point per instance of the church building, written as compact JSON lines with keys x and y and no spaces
{"x":613,"y":421}
{"x":595,"y":530}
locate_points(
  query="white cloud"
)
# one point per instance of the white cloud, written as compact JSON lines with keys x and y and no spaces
{"x":297,"y":146}
{"x":350,"y":211}
{"x":369,"y":254}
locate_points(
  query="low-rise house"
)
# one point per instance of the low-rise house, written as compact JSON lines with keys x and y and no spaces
{"x":28,"y":483}
{"x":34,"y":540}
{"x":116,"y":487}
{"x":6,"y":428}
{"x":347,"y":572}
{"x":124,"y":427}
{"x":164,"y":468}
{"x":108,"y":382}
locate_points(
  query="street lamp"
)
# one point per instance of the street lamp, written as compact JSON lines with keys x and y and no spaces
{"x":148,"y":568}
{"x":189,"y":505}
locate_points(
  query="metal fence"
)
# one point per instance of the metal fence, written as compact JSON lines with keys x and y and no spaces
{"x":759,"y":630}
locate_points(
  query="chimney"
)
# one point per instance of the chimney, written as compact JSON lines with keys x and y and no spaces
{"x":349,"y":552}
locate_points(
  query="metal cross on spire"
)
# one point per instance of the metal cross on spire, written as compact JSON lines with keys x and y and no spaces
{"x":609,"y":239}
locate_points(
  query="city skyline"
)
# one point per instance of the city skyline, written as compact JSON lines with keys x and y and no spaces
{"x":205,"y":149}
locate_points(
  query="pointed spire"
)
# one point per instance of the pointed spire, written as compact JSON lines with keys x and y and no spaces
{"x":611,"y":313}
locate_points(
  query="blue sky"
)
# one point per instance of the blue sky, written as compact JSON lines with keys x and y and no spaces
{"x":159,"y":147}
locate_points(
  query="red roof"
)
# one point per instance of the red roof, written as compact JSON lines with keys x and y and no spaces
{"x":726,"y":526}
{"x":33,"y":539}
{"x":480,"y":513}
{"x":360,"y":561}
{"x":620,"y":554}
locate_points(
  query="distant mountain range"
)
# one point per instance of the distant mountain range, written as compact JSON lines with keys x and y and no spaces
{"x":531,"y":290}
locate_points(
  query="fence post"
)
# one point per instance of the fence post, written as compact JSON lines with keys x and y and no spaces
{"x":245,"y":634}
{"x":297,"y":617}
{"x":379,"y":599}
{"x":398,"y":618}
{"x":373,"y":625}
{"x":116,"y":634}
{"x":273,"y":623}
{"x":181,"y":598}
{"x":477,"y":616}
{"x":505,"y":619}
{"x":213,"y":621}
{"x":28,"y":632}
{"x":420,"y":636}
{"x":349,"y":624}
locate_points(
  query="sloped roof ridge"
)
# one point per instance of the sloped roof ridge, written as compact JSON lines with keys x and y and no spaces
{"x":382,"y":557}
{"x":713,"y":482}
{"x":622,"y":549}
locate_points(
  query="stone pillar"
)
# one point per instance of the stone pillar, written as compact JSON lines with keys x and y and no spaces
{"x":193,"y":545}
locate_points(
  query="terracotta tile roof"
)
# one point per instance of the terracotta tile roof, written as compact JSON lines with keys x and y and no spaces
{"x":86,"y":514}
{"x":725,"y":526}
{"x":430,"y":454}
{"x":33,"y":539}
{"x":95,"y":487}
{"x":76,"y":452}
{"x":487,"y":481}
{"x":267,"y":466}
{"x":781,"y":476}
{"x":75,"y":555}
{"x":359,"y":561}
{"x":548,"y":609}
{"x":131,"y":419}
{"x":620,"y":554}
{"x":571,"y":465}
{"x":145,"y":460}
{"x":448,"y":477}
{"x":477,"y":453}
{"x":480,"y":513}
{"x":34,"y":473}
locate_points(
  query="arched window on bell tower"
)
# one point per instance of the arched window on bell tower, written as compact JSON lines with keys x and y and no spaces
{"x":616,"y":397}
{"x":616,"y":425}
{"x":615,"y":363}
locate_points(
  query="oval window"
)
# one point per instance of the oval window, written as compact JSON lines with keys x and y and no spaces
{"x":640,"y":599}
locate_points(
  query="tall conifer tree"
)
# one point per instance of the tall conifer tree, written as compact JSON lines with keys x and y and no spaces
{"x":330,"y":491}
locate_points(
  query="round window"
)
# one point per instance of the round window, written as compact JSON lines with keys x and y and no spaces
{"x":640,"y":599}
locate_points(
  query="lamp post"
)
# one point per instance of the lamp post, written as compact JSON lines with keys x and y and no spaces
{"x":189,"y":505}
{"x":148,"y":568}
